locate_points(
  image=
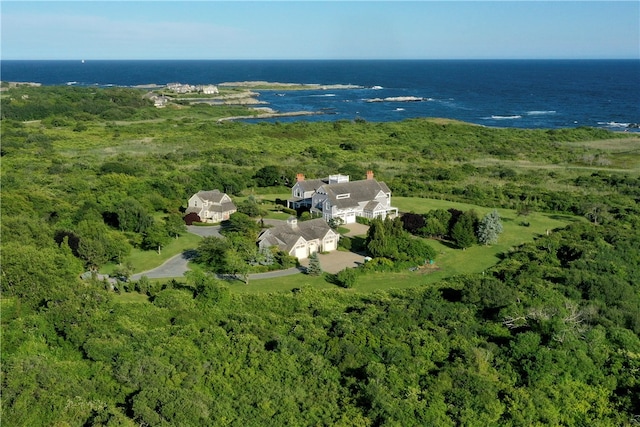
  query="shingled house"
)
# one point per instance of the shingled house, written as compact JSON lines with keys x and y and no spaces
{"x":300,"y":239}
{"x":209,"y":206}
{"x":337,"y":197}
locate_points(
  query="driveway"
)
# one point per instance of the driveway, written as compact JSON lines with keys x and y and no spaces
{"x":173,"y":267}
{"x":335,"y":261}
{"x":205,"y":231}
{"x":331,"y":262}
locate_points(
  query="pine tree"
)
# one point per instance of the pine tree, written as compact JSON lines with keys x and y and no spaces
{"x":489,"y":228}
{"x":314,"y":269}
{"x":463,"y":233}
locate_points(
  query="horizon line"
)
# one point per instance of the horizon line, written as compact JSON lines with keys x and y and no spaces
{"x":323,"y":59}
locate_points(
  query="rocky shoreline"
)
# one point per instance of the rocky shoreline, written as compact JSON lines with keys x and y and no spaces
{"x":264,"y":85}
{"x":270,"y":115}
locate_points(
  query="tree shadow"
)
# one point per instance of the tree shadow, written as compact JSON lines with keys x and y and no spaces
{"x":190,"y":254}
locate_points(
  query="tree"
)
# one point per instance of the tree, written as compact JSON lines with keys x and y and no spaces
{"x":269,"y":176}
{"x":96,"y":244}
{"x":489,"y":228}
{"x":242,"y":224}
{"x":264,"y":256}
{"x":314,"y":269}
{"x":211,"y":253}
{"x":335,"y":223}
{"x":234,"y":263}
{"x":175,"y":225}
{"x":463,"y":231}
{"x":380,"y":240}
{"x":155,"y":237}
{"x":252,"y":208}
{"x":412,"y":222}
{"x":132,"y":216}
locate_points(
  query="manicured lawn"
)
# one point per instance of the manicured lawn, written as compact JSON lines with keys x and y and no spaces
{"x":450,"y":261}
{"x":146,"y":260}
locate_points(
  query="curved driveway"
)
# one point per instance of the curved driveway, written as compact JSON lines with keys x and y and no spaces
{"x":177,"y":265}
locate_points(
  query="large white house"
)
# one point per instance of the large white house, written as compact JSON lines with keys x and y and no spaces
{"x":210,"y":206}
{"x":338,"y":198}
{"x":300,"y":239}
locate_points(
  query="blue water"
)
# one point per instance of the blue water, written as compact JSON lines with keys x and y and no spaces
{"x":526,"y":93}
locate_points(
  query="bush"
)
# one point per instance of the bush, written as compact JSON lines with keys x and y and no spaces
{"x":380,"y":264}
{"x":344,"y":243}
{"x":347,"y":278}
{"x":363,"y":220}
{"x":290,"y":211}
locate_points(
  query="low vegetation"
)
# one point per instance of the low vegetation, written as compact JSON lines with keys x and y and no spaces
{"x":538,"y":327}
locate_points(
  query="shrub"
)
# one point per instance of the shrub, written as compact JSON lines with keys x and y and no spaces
{"x":345,"y":243}
{"x":347,"y":278}
{"x":363,"y":220}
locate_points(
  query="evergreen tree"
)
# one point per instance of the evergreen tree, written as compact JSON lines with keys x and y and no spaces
{"x":314,"y":269}
{"x":489,"y":228}
{"x":463,"y":232}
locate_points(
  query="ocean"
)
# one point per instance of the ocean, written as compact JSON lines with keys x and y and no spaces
{"x":500,"y":93}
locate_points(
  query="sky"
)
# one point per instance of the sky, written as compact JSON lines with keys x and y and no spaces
{"x":320,"y":29}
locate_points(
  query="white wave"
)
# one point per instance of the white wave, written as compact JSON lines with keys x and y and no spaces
{"x":377,"y":87}
{"x":399,"y":109}
{"x":71,"y":83}
{"x":614,"y":124}
{"x":517,"y":116}
{"x":399,"y":99}
{"x":324,"y":95}
{"x":540,"y":112}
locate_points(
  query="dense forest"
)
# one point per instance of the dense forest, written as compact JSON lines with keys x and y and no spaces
{"x":547,"y":336}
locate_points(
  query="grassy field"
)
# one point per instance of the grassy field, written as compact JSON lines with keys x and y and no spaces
{"x":450,"y":261}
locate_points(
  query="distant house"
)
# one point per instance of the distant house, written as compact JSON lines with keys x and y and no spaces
{"x":181,"y":88}
{"x":338,"y":197}
{"x":159,"y":101}
{"x":208,"y":89}
{"x":209,"y":206}
{"x":300,"y":239}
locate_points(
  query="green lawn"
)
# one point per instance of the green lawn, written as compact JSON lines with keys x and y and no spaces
{"x":146,"y":260}
{"x":449,"y":262}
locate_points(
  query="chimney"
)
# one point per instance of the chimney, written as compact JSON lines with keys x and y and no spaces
{"x":369,"y":174}
{"x":300,"y":177}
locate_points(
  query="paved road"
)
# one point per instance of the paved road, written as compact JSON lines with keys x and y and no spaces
{"x":331,"y":262}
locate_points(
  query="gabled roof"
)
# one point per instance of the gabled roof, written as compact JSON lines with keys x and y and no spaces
{"x":358,"y":191}
{"x":371,"y":206}
{"x":312,"y":184}
{"x":286,"y":236}
{"x":214,"y":196}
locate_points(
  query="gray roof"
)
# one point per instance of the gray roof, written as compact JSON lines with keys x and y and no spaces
{"x":286,"y":235}
{"x":359,"y":191}
{"x":312,"y":184}
{"x":212,"y":195}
